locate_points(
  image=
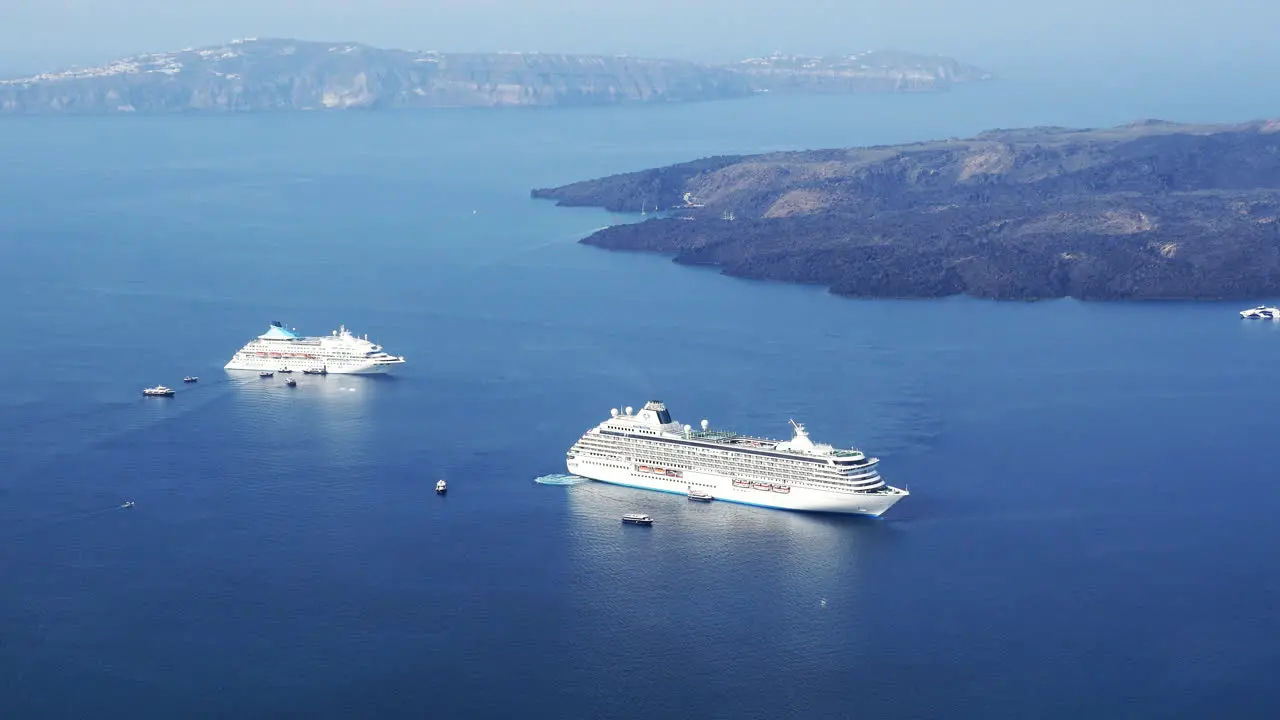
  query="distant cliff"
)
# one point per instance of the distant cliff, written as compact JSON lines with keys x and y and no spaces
{"x":868,"y":71}
{"x":1145,"y":211}
{"x":257,"y":75}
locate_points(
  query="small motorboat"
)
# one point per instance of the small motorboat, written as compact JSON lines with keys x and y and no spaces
{"x":315,"y":371}
{"x":265,"y":374}
{"x":700,"y":496}
{"x":190,"y":379}
{"x":637,"y":519}
{"x":158,"y":391}
{"x":1262,"y":312}
{"x":128,"y":504}
{"x":442,"y":487}
{"x":291,"y":382}
{"x":284,"y":371}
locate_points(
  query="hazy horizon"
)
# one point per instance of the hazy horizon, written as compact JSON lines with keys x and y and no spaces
{"x":1001,"y":35}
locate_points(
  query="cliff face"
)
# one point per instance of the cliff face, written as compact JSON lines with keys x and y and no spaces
{"x":285,"y":74}
{"x":255,"y":75}
{"x":1151,"y":210}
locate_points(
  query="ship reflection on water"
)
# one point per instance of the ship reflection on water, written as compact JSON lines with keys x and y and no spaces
{"x":325,"y":414}
{"x":716,"y":560}
{"x":329,"y":387}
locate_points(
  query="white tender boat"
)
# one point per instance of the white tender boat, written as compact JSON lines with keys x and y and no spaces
{"x":1262,"y":312}
{"x":637,"y":519}
{"x":700,"y":496}
{"x":158,"y":391}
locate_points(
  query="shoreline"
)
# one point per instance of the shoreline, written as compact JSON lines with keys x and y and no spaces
{"x":1147,"y":211}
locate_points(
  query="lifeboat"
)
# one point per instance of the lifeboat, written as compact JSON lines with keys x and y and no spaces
{"x":781,"y":489}
{"x":742,"y":483}
{"x":642,"y":468}
{"x":762,"y":486}
{"x":673,"y":473}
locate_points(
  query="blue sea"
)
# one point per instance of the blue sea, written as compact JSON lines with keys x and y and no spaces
{"x":1091,"y":532}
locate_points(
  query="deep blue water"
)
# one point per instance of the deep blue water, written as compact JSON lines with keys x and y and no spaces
{"x":1092,"y":529}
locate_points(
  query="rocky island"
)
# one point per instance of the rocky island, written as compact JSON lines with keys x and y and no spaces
{"x":1151,"y":210}
{"x":272,"y":74}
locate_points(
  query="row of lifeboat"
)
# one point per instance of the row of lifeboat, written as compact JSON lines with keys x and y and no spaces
{"x":767,"y":487}
{"x":659,"y":471}
{"x":744,"y":484}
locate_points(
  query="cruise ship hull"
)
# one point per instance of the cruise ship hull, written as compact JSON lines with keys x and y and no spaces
{"x":722,"y":488}
{"x":335,"y":369}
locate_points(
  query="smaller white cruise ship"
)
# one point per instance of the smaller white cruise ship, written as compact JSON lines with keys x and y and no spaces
{"x":283,"y":350}
{"x":648,"y":449}
{"x":1262,"y":312}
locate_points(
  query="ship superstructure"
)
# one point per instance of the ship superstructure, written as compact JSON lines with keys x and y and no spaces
{"x":1262,"y":312}
{"x":282,"y":349}
{"x":647,"y":449}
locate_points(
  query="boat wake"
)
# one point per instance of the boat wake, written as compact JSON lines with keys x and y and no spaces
{"x":560,"y":480}
{"x":50,"y":523}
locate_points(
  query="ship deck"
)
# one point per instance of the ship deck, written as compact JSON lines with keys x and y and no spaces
{"x":295,"y":341}
{"x":730,"y":438}
{"x":727,"y":437}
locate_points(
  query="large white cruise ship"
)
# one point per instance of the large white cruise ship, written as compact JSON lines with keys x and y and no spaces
{"x":281,"y":349}
{"x":650,"y":450}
